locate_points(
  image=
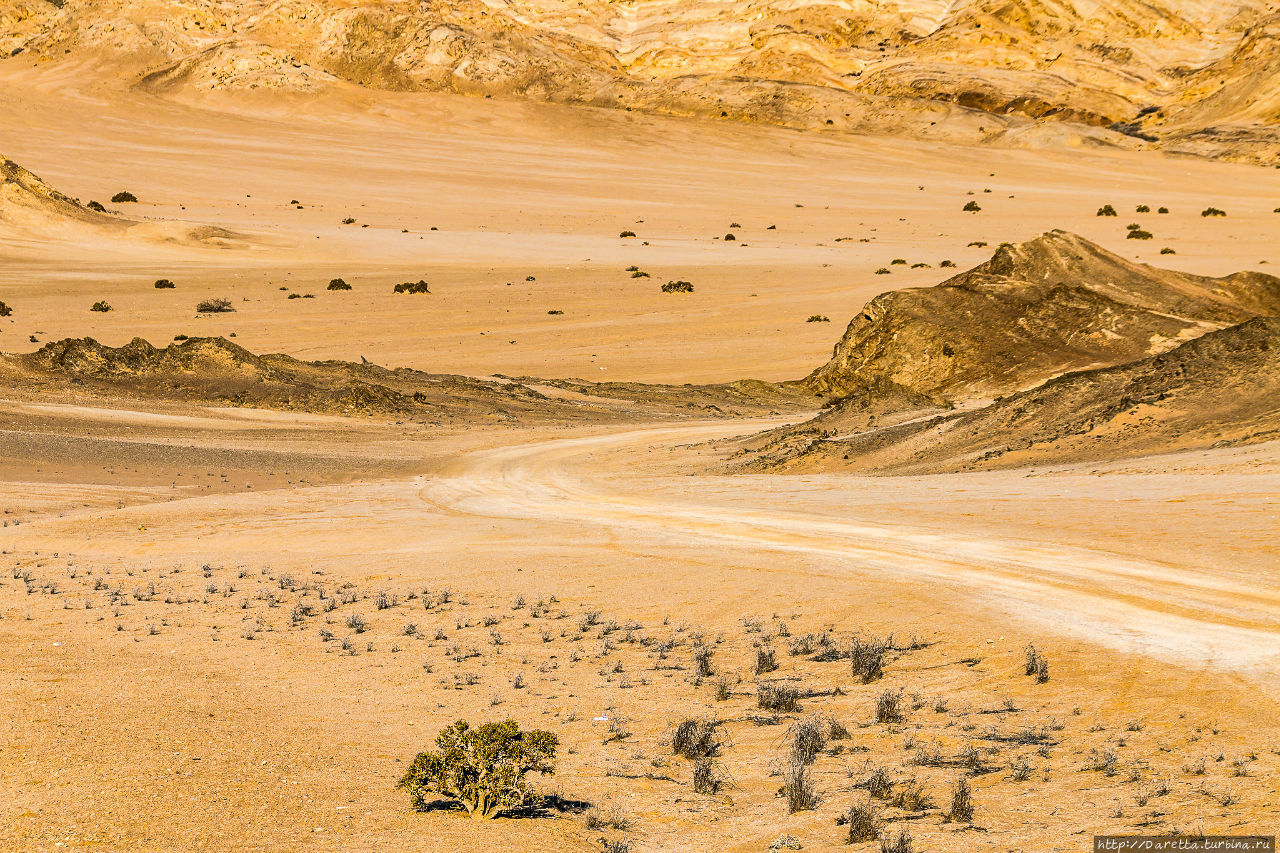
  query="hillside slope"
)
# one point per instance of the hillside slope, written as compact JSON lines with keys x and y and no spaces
{"x":1186,"y":75}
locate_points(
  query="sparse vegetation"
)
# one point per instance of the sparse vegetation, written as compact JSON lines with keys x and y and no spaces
{"x":125,"y":197}
{"x":1213,"y":211}
{"x":101,"y":306}
{"x":677,"y":287}
{"x":214,"y":306}
{"x":971,"y":207}
{"x":818,"y":318}
{"x":778,"y":698}
{"x":338,"y":284}
{"x":797,"y":786}
{"x":862,"y":822}
{"x":418,"y":286}
{"x":1107,"y":210}
{"x":481,"y":768}
{"x":164,"y":284}
{"x":961,"y":810}
{"x":5,"y":310}
{"x":694,"y":738}
{"x":624,"y":234}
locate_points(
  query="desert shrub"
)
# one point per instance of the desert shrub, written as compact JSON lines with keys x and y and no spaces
{"x":350,"y":220}
{"x":214,"y":306}
{"x":1036,"y":664}
{"x":696,"y":738}
{"x":482,"y":768}
{"x":797,"y":786}
{"x":597,"y":818}
{"x":898,"y":262}
{"x":639,"y":274}
{"x":677,"y":287}
{"x":555,"y":311}
{"x":1162,"y":210}
{"x":961,"y":810}
{"x":947,"y":264}
{"x":164,"y":284}
{"x":702,"y":654}
{"x":808,"y":738}
{"x":338,"y":284}
{"x":1103,"y":760}
{"x":878,"y":784}
{"x":1020,"y":769}
{"x":5,"y":310}
{"x":101,"y":306}
{"x":357,"y":623}
{"x":708,"y":777}
{"x":911,"y":797}
{"x":1167,"y":251}
{"x":883,"y":271}
{"x":730,"y":237}
{"x":867,"y":659}
{"x":766,"y":660}
{"x":818,"y":318}
{"x":777,"y":697}
{"x":901,"y":843}
{"x":971,"y":207}
{"x":627,"y":234}
{"x":1138,"y":234}
{"x":618,"y":845}
{"x":977,"y":243}
{"x":125,"y":197}
{"x":1142,"y":208}
{"x":862,"y":822}
{"x":418,"y":286}
{"x":1107,"y":210}
{"x":94,"y":205}
{"x":889,"y":707}
{"x":1213,"y":211}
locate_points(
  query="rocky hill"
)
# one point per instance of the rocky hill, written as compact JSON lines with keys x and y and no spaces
{"x":1186,"y":75}
{"x":974,"y":366}
{"x":1220,"y":389}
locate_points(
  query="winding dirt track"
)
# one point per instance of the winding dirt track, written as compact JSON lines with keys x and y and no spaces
{"x":1167,"y":610}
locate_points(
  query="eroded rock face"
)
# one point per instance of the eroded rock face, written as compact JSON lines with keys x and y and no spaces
{"x":1033,"y":311}
{"x":1185,"y":74}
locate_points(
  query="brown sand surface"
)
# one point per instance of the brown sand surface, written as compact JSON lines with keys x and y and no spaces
{"x":176,"y":678}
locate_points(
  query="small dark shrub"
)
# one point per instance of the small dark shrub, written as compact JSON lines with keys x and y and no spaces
{"x":597,"y":818}
{"x":124,"y":198}
{"x":766,"y":660}
{"x":101,"y":306}
{"x":164,"y":284}
{"x":883,"y":271}
{"x":1138,"y":234}
{"x":696,"y":738}
{"x":777,"y":697}
{"x":702,"y":659}
{"x":867,"y":659}
{"x":350,"y":220}
{"x":1213,"y":211}
{"x":1162,"y":210}
{"x":93,"y":205}
{"x":677,"y":287}
{"x":627,"y":234}
{"x":1107,"y":210}
{"x":947,"y":264}
{"x":961,"y":810}
{"x":214,"y":306}
{"x":808,"y":738}
{"x":878,"y":784}
{"x":730,"y":237}
{"x":708,"y":778}
{"x":911,"y":797}
{"x":971,"y":207}
{"x":5,"y":310}
{"x":412,"y":287}
{"x":797,"y":787}
{"x":338,"y":284}
{"x":1167,"y":251}
{"x":862,"y":823}
{"x":1142,"y":208}
{"x":889,"y":707}
{"x":818,"y":318}
{"x":899,"y":844}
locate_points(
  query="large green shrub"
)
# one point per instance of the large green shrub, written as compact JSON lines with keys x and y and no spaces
{"x":482,"y":768}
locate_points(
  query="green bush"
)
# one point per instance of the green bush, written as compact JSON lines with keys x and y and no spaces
{"x":677,"y":287}
{"x":214,"y":306}
{"x":95,"y":205}
{"x":338,"y":284}
{"x":1213,"y":211}
{"x":481,"y":768}
{"x":101,"y":306}
{"x":5,"y":310}
{"x":818,"y":318}
{"x":971,"y":207}
{"x":418,"y":286}
{"x":124,"y":198}
{"x":164,"y":284}
{"x":1107,"y":210}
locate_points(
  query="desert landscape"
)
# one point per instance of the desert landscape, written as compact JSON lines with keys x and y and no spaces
{"x":768,"y":426}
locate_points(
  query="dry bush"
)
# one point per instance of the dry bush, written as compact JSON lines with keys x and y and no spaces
{"x":607,"y":818}
{"x":867,"y":658}
{"x":911,"y":797}
{"x":889,"y":707}
{"x":708,"y":776}
{"x":697,"y":738}
{"x":677,"y":287}
{"x":897,"y":844}
{"x":961,"y":810}
{"x":808,"y":738}
{"x":214,"y":306}
{"x":418,"y":286}
{"x":338,"y":284}
{"x":862,"y":821}
{"x":777,"y":697}
{"x":766,"y":660}
{"x":164,"y":284}
{"x":702,"y":654}
{"x":797,"y":786}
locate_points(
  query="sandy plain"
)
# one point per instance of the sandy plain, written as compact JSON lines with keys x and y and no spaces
{"x":160,"y":694}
